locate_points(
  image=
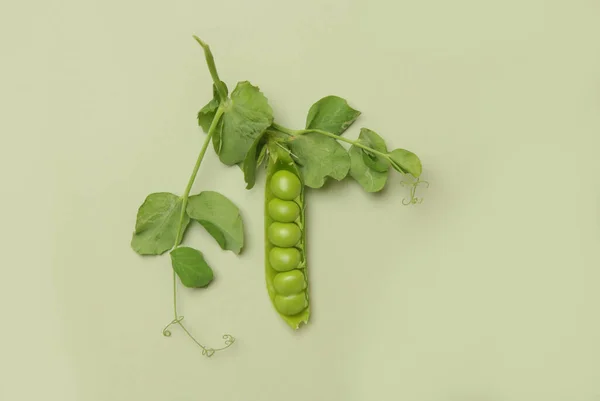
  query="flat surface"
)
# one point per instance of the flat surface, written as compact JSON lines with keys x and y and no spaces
{"x":488,"y":291}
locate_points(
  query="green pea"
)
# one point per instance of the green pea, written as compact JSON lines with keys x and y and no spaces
{"x":289,"y":283}
{"x":285,"y":185}
{"x":284,"y":259}
{"x":283,"y":211}
{"x":284,"y":235}
{"x":291,"y":304}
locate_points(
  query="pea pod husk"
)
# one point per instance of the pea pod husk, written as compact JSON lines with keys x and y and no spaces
{"x":278,"y":160}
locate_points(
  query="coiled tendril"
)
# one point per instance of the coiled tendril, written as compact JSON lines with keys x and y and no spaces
{"x":413,"y":189}
{"x":166,"y":332}
{"x":206,"y":351}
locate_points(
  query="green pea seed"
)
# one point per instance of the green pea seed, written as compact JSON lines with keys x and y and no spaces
{"x":291,"y":304}
{"x":284,"y":259}
{"x":283,"y":211}
{"x":284,"y":235}
{"x":285,"y":185}
{"x":289,"y":283}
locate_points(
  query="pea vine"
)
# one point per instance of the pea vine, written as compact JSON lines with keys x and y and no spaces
{"x":396,"y":158}
{"x":243,"y":132}
{"x":163,"y":216}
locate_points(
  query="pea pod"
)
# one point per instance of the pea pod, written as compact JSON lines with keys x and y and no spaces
{"x":285,"y":235}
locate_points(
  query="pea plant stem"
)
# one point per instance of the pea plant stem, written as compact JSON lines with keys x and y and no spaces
{"x":212,"y":68}
{"x":184,"y":201}
{"x":188,"y":188}
{"x":292,"y":132}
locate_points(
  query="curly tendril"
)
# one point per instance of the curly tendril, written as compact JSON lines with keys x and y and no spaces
{"x":414,"y":200}
{"x":166,"y":332}
{"x":206,"y":351}
{"x":229,"y":339}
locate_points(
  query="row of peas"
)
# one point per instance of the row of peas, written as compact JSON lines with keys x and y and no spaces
{"x":285,"y":236}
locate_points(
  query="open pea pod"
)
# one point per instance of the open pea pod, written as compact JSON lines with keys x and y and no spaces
{"x":285,"y":237}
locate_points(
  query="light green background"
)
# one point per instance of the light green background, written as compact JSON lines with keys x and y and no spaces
{"x":488,"y":291}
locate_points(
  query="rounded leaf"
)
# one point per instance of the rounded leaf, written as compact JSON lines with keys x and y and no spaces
{"x":190,"y":266}
{"x":220,"y":217}
{"x":331,"y":114}
{"x":371,"y":180}
{"x":406,"y":162}
{"x":157,"y":224}
{"x":373,"y":140}
{"x":319,"y":157}
{"x":246,"y":116}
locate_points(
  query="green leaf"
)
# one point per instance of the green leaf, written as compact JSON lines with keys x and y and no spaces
{"x":371,"y":179}
{"x":190,"y":266}
{"x":406,"y":162}
{"x":319,"y":157}
{"x":207,"y":113}
{"x":157,"y":223}
{"x":251,"y":161}
{"x":220,"y":217}
{"x":331,"y":114}
{"x":371,"y":139}
{"x":246,"y":116}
